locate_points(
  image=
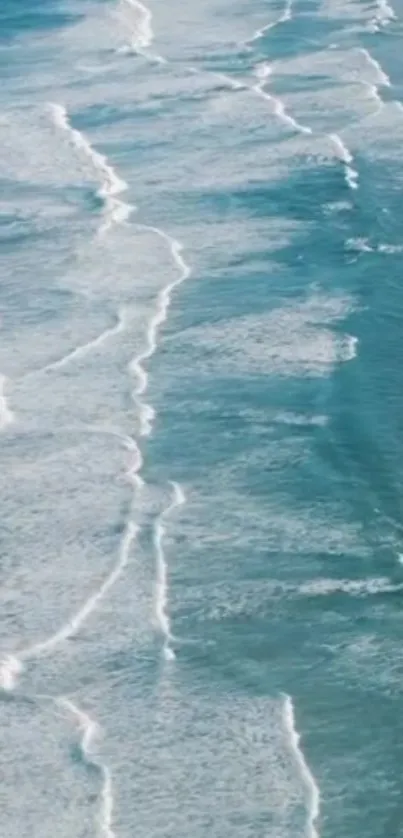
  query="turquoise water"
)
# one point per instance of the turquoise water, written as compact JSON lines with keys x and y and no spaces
{"x":200,"y":418}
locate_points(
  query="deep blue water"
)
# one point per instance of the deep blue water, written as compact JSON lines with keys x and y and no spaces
{"x":201,"y":419}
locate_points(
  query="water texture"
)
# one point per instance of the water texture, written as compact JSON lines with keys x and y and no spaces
{"x":200,"y":419}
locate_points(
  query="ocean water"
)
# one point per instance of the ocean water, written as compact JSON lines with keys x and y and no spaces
{"x":201,"y":423}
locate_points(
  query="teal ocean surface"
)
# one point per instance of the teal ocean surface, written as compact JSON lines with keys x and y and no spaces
{"x":201,"y":419}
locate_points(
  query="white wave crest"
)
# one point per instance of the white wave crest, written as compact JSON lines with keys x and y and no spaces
{"x":360,"y":245}
{"x":390,"y":248}
{"x":383,"y":78}
{"x":353,"y":587}
{"x":300,"y":419}
{"x":284,"y":17}
{"x":116,"y":210}
{"x":12,"y":666}
{"x":6,"y":415}
{"x":138,"y":18}
{"x":136,"y":366}
{"x":89,"y":729}
{"x":161,"y":586}
{"x":262,"y":73}
{"x":350,"y":174}
{"x":307,"y":778}
{"x":291,"y":340}
{"x":82,"y":350}
{"x":384,"y":14}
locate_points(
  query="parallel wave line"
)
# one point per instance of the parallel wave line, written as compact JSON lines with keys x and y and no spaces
{"x":161,"y":587}
{"x":89,"y":729}
{"x":307,"y":778}
{"x":12,"y":665}
{"x":116,"y":211}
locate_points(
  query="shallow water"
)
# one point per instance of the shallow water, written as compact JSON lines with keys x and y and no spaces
{"x":200,"y":414}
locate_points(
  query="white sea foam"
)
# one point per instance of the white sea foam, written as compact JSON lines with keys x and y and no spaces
{"x":299,"y":419}
{"x":284,"y":17}
{"x":6,"y":415}
{"x":11,"y":666}
{"x":384,"y":14}
{"x":89,"y":729}
{"x":353,"y":587}
{"x":359,"y":244}
{"x":132,"y":473}
{"x":362,"y":245}
{"x":136,"y":366}
{"x":383,"y":78}
{"x":262,"y":73}
{"x":161,"y":586}
{"x":307,"y":778}
{"x":291,"y":340}
{"x":390,"y":248}
{"x":138,"y":18}
{"x":10,"y":669}
{"x":116,"y":211}
{"x":350,"y":174}
{"x":82,"y":350}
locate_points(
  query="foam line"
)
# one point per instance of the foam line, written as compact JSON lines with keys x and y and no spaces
{"x":262,"y":72}
{"x":136,"y":366}
{"x":116,"y":211}
{"x":284,"y":17}
{"x":82,"y":350}
{"x":350,"y":174}
{"x":12,"y":666}
{"x":383,"y":78}
{"x":312,"y":791}
{"x":143,"y":36}
{"x":133,"y":472}
{"x":352,"y":587}
{"x":161,"y":586}
{"x":89,"y":729}
{"x":6,"y":415}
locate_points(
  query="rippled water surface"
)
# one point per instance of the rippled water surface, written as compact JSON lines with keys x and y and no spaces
{"x":201,"y":418}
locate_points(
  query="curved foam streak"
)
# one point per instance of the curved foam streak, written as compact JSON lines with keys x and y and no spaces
{"x":6,"y":415}
{"x":12,"y":666}
{"x":144,"y":36}
{"x":89,"y":729}
{"x":136,"y":366}
{"x":133,"y":471}
{"x":313,"y":796}
{"x":161,"y":585}
{"x":383,"y":78}
{"x":350,"y":174}
{"x":284,"y":17}
{"x":116,"y":211}
{"x":79,"y":351}
{"x":263,"y":72}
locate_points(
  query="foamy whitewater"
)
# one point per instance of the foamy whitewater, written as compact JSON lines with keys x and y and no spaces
{"x":200,"y":419}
